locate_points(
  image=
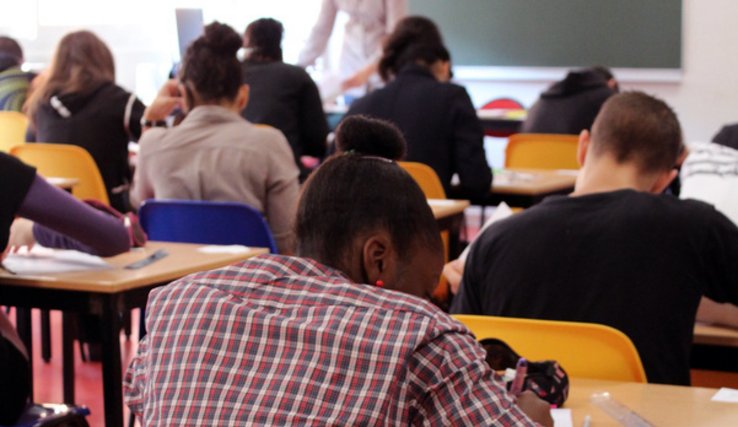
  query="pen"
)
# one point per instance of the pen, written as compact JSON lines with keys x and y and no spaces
{"x":521,"y":370}
{"x":587,"y":421}
{"x":161,"y":253}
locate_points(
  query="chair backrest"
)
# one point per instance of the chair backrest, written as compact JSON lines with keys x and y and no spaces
{"x":426,"y":178}
{"x":66,"y":161}
{"x":585,"y":350}
{"x":13,"y":127}
{"x":542,"y":151}
{"x":197,"y":221}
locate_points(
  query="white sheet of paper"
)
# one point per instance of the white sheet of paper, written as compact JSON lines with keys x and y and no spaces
{"x":501,"y":212}
{"x":562,"y":417}
{"x":224,"y":249}
{"x":441,"y":202}
{"x":41,"y":260}
{"x":725,"y":394}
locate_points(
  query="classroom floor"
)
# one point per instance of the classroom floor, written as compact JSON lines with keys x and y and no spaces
{"x":48,"y":378}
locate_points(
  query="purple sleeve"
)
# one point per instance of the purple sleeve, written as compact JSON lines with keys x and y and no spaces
{"x":61,"y":221}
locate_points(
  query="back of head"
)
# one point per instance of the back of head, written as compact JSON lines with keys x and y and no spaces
{"x":210,"y":67}
{"x":369,"y":136}
{"x":82,"y":63}
{"x":352,"y":195}
{"x":11,"y":54}
{"x":638,"y":128}
{"x":264,"y":38}
{"x":409,"y":31}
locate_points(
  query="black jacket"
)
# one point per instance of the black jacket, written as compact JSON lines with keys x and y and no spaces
{"x":727,"y":136}
{"x":440,"y":124}
{"x":568,"y":106}
{"x":285,"y":97}
{"x":95,"y":122}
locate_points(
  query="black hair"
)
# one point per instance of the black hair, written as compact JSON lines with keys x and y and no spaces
{"x":210,"y":66}
{"x":11,"y":54}
{"x":639,"y":128}
{"x":370,"y":136}
{"x":264,"y":38}
{"x":351,"y":195}
{"x":409,"y":31}
{"x":602,"y":71}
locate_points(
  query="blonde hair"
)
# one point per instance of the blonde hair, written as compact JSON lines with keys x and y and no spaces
{"x":82,"y":63}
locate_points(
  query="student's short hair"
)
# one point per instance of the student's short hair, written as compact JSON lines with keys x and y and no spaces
{"x":264,"y":37}
{"x":352,"y":195}
{"x":636,"y":127}
{"x":11,"y":54}
{"x":367,"y":135}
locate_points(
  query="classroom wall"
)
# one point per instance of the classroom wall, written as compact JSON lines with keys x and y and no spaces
{"x":707,"y":95}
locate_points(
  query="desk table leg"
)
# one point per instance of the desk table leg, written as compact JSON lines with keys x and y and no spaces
{"x":112,"y":373}
{"x":68,"y":334}
{"x":25,"y":332}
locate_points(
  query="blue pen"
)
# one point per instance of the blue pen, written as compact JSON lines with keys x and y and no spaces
{"x":521,"y":370}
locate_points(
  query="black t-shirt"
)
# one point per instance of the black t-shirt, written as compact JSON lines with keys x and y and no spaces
{"x":15,"y":180}
{"x":631,"y":260}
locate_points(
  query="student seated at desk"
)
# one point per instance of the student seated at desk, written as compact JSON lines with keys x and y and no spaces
{"x":79,"y":103}
{"x":55,"y":211}
{"x":214,"y":153}
{"x":343,"y":334}
{"x":282,"y":95}
{"x":436,"y":117}
{"x":571,"y":105}
{"x":14,"y":82}
{"x":615,"y":252}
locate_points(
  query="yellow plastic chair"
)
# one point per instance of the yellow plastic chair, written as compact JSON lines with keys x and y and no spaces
{"x":541,"y":151}
{"x":66,"y":161}
{"x":585,"y":350}
{"x":429,"y":182}
{"x":13,"y":127}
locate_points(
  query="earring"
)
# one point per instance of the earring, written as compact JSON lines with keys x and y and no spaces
{"x":380,"y":284}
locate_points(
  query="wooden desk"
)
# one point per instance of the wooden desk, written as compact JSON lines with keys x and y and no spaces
{"x":661,"y":405}
{"x":715,"y":335}
{"x":63,"y":183}
{"x":526,"y":187}
{"x":106,"y":293}
{"x":449,"y":215}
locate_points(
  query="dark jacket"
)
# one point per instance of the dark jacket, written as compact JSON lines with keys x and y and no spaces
{"x":727,"y":136}
{"x":569,"y":106}
{"x":95,"y":122}
{"x":285,"y":97}
{"x":440,"y":124}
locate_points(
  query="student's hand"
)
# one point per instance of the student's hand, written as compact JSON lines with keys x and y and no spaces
{"x":535,"y":408}
{"x":359,"y":78}
{"x":453,"y":271}
{"x":21,"y":234}
{"x":165,"y":102}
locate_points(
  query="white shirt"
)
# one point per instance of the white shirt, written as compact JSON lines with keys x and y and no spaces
{"x":370,"y":21}
{"x":710,"y":174}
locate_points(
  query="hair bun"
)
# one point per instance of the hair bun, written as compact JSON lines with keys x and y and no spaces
{"x":221,"y":39}
{"x":371,"y":137}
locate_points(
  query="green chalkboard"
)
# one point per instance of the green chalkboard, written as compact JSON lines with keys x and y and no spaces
{"x":559,"y":33}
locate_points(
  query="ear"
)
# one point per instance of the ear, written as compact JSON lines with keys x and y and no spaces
{"x":186,"y":96}
{"x":377,"y":258}
{"x":242,"y":99}
{"x":583,"y":147}
{"x":663,"y":181}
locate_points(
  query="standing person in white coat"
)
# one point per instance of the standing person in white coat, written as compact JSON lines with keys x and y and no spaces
{"x":370,"y":21}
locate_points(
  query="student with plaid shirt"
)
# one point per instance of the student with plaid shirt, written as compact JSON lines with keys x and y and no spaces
{"x":343,"y":335}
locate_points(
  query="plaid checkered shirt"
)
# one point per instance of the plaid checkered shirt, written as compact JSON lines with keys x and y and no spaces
{"x":279,"y":340}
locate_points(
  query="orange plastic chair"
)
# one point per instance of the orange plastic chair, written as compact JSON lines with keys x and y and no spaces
{"x":66,"y":161}
{"x":542,"y":151}
{"x":429,"y":182}
{"x":584,"y":350}
{"x":13,"y":127}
